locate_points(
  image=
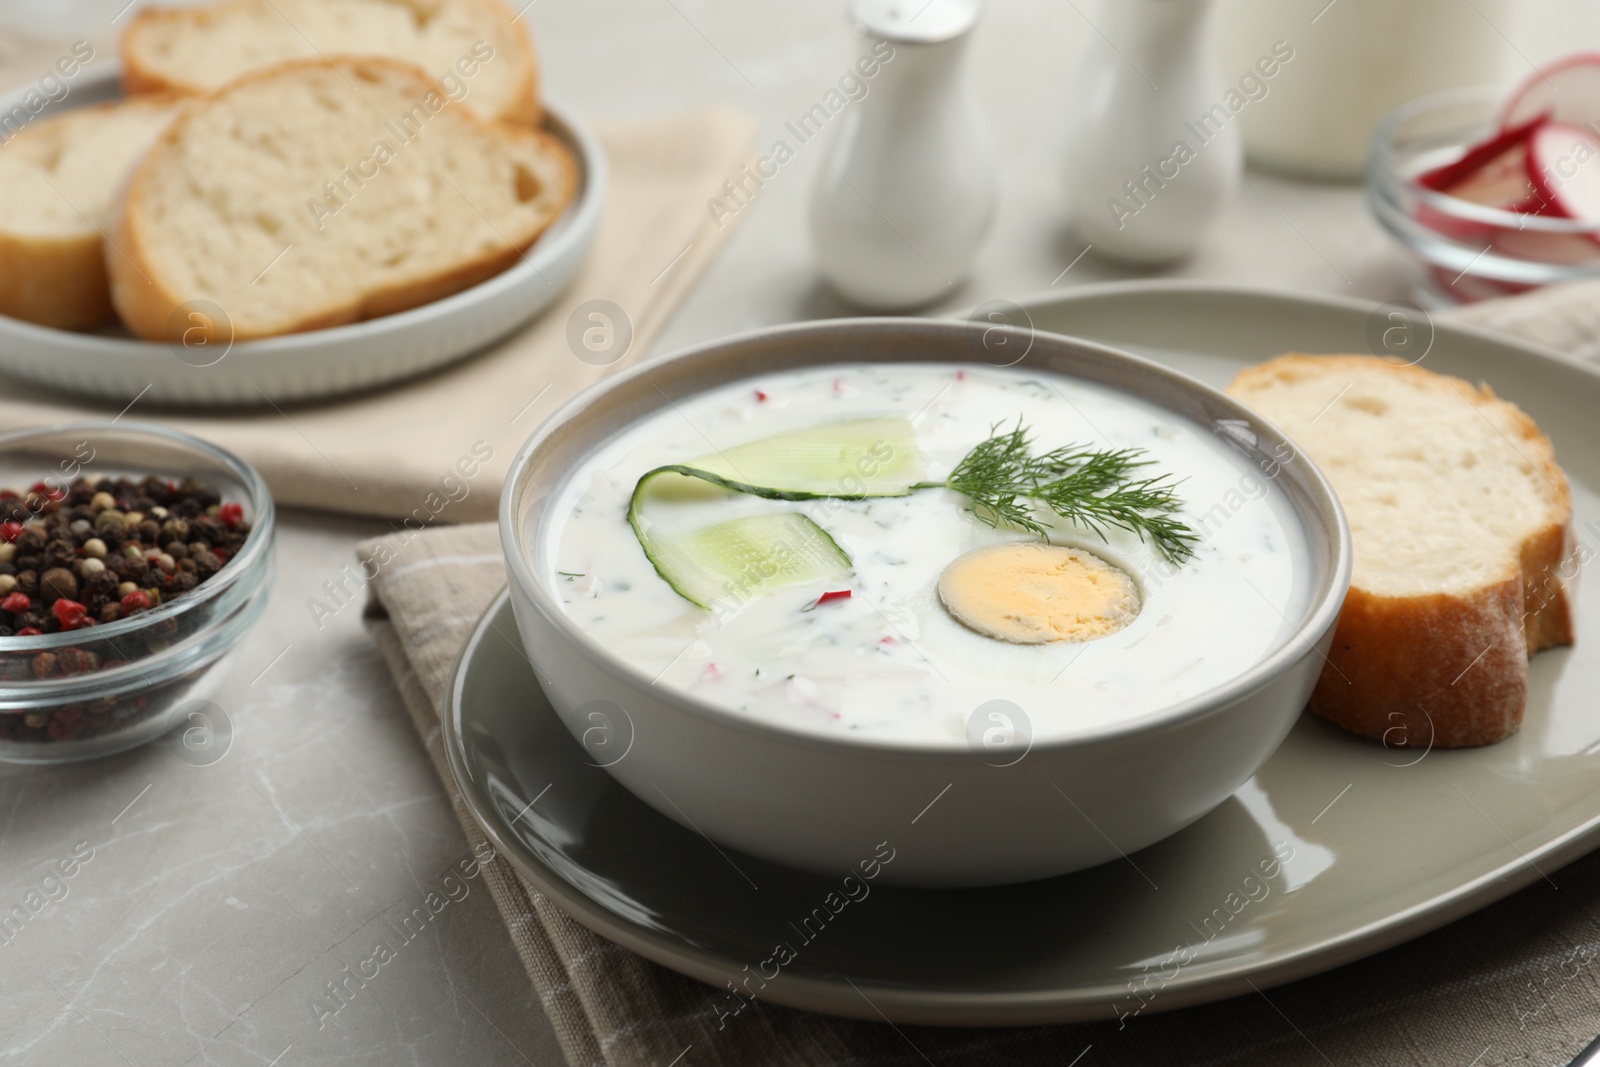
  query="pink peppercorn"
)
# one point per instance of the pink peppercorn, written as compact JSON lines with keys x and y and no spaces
{"x":71,"y":614}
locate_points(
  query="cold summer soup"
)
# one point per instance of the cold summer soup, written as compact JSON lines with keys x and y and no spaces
{"x":879,"y":551}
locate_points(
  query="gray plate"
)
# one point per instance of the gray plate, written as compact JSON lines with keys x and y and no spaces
{"x":1385,"y":842}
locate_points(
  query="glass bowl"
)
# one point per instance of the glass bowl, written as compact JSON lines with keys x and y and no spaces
{"x":1469,"y":251}
{"x":114,"y":685}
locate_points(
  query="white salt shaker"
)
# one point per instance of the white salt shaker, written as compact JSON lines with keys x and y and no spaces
{"x":1153,"y":147}
{"x":906,"y":190}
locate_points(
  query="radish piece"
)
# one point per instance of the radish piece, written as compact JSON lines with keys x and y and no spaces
{"x":827,"y":598}
{"x":1503,"y":184}
{"x":1535,"y":205}
{"x":1564,"y":166}
{"x":1493,"y":174}
{"x":1540,"y":246}
{"x":1480,"y":156}
{"x":1467,"y":231}
{"x":1469,"y":289}
{"x":1566,"y":91}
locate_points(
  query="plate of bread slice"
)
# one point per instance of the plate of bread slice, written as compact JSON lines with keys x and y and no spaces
{"x":274,"y":200}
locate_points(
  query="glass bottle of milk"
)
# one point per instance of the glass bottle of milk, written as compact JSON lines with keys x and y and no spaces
{"x":1353,"y":62}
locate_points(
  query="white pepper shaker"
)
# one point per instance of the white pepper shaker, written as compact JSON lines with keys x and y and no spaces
{"x":906,"y":190}
{"x":1153,"y":148}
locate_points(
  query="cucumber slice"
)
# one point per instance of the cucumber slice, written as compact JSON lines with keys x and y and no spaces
{"x":731,"y":562}
{"x":848,"y":460}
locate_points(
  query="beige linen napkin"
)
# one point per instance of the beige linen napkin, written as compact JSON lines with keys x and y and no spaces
{"x":1563,"y":317}
{"x":1514,"y":984}
{"x":389,"y":453}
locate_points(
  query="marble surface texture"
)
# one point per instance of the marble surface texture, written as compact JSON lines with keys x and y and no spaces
{"x":222,"y":901}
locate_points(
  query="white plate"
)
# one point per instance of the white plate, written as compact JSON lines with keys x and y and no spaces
{"x":317,"y":363}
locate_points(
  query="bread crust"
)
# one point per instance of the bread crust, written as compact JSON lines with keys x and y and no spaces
{"x":523,"y":109}
{"x":1439,"y":671}
{"x":58,"y":281}
{"x":526,"y":108}
{"x":1445,"y":670}
{"x":148,"y":308}
{"x":138,"y":78}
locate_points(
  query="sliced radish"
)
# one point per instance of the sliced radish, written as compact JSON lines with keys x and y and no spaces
{"x":1503,"y":184}
{"x":827,"y":598}
{"x":1496,"y":150}
{"x":1541,"y":246}
{"x":1493,"y":174}
{"x":1564,"y":167}
{"x":1469,"y":288}
{"x":1566,"y":91}
{"x":1468,"y":231}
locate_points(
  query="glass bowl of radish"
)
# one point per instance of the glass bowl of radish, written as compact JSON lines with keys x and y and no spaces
{"x":1495,"y":194}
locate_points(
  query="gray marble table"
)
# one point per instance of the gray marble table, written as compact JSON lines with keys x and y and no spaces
{"x":219,"y":905}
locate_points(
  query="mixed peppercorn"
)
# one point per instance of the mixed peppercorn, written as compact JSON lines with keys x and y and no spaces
{"x":105,"y":549}
{"x":100,"y":550}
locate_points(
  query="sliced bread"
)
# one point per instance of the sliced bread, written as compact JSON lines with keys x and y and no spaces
{"x":1464,"y":549}
{"x":475,"y":48}
{"x":320,"y":193}
{"x":58,"y":178}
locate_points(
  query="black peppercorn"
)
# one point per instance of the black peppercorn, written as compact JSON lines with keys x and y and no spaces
{"x":58,"y":583}
{"x":60,"y":553}
{"x":102,"y":586}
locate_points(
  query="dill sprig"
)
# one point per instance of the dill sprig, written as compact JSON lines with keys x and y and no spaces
{"x":1094,"y":488}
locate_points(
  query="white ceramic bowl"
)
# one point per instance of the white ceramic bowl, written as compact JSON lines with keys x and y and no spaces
{"x":318,"y":363}
{"x":826,"y":803}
